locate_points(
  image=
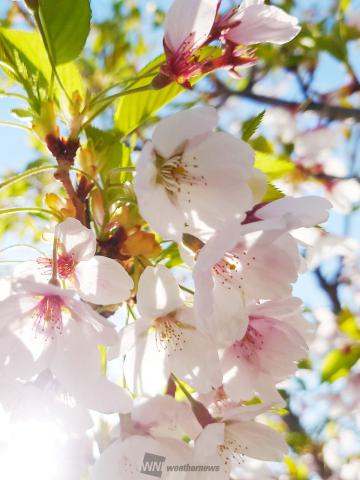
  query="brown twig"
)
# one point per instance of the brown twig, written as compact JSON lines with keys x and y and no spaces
{"x":332,"y":112}
{"x":64,"y":153}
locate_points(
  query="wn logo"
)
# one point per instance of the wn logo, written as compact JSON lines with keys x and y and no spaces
{"x":152,"y":465}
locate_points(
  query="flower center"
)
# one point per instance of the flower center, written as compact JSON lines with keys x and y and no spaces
{"x":168,"y":332}
{"x":66,"y":265}
{"x":229,"y":271}
{"x":231,"y":451}
{"x":48,"y":315}
{"x":177,"y":177}
{"x":250,"y":345}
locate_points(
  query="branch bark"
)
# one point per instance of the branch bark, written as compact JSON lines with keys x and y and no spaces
{"x":332,"y":112}
{"x":64,"y":152}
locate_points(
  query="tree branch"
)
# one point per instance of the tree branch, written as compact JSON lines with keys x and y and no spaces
{"x":333,"y":112}
{"x":331,"y":288}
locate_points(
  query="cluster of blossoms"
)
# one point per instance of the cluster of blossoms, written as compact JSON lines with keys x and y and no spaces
{"x":192,"y":26}
{"x":229,"y":345}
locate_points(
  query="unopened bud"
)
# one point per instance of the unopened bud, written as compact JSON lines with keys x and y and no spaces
{"x":44,"y":124}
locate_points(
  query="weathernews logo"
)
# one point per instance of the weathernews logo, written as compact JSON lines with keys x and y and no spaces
{"x":153,"y":465}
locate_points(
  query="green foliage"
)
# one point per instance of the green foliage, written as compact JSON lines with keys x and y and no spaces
{"x":251,"y":125}
{"x":26,"y":61}
{"x":338,"y":363}
{"x":348,"y":324}
{"x":171,"y":256}
{"x":65,"y":25}
{"x":108,"y":149}
{"x":274,"y":167}
{"x":134,"y":110}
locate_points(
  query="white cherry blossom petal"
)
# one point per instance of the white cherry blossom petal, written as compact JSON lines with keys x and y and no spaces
{"x":76,"y":365}
{"x":263,"y":23}
{"x":189,"y":20}
{"x":158,"y":293}
{"x":172,"y":133}
{"x":103,"y":281}
{"x":76,"y":239}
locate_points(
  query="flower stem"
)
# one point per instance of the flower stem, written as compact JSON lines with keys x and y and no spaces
{"x":108,"y":101}
{"x":200,"y":411}
{"x":43,"y":169}
{"x":43,"y":211}
{"x":54,"y":278}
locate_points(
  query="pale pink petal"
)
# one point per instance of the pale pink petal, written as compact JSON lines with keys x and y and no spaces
{"x":206,"y":453}
{"x":158,"y":293}
{"x":259,"y":185}
{"x":305,"y":211}
{"x":103,"y":281}
{"x":123,"y":460}
{"x":239,"y":377}
{"x":145,"y":368}
{"x":15,"y":358}
{"x":166,"y":417}
{"x":263,"y":23}
{"x":15,"y":309}
{"x":228,"y":319}
{"x":195,"y":360}
{"x":187,"y":17}
{"x":127,"y":338}
{"x":272,"y":266}
{"x":153,"y":198}
{"x":257,"y":441}
{"x":218,"y":191}
{"x":224,"y":240}
{"x":32,"y":271}
{"x":172,"y":133}
{"x":97,"y":327}
{"x":76,"y":364}
{"x":76,"y":239}
{"x":245,"y":413}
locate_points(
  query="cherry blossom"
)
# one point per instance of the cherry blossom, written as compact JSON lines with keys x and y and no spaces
{"x":97,"y":279}
{"x":254,"y":22}
{"x":179,"y":174}
{"x":267,"y":353}
{"x":191,"y":25}
{"x":154,"y":426}
{"x":62,"y":334}
{"x":43,"y":400}
{"x":258,"y":259}
{"x":237,"y":435}
{"x":162,"y":341}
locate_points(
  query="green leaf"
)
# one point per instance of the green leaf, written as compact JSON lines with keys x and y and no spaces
{"x":251,"y":125}
{"x":344,"y":4}
{"x":110,"y":154}
{"x":273,"y":193}
{"x":133,"y":110}
{"x":19,"y":50}
{"x":21,"y":113}
{"x":261,"y":144}
{"x":348,"y":324}
{"x":274,"y":167}
{"x":338,"y":363}
{"x":27,"y":49}
{"x":66,"y":25}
